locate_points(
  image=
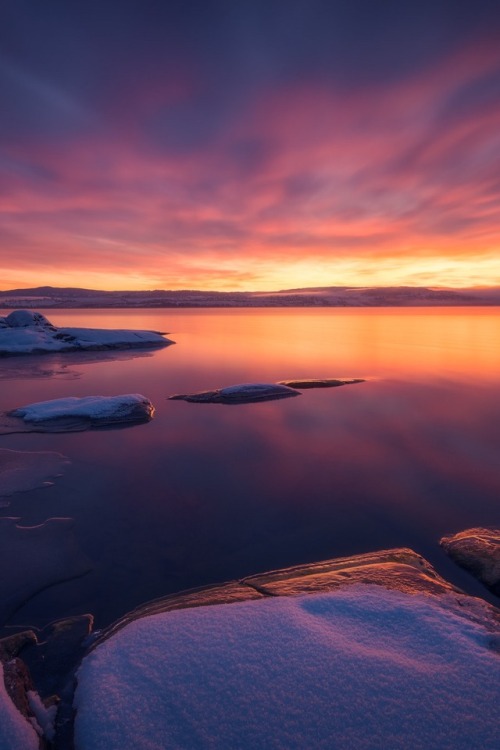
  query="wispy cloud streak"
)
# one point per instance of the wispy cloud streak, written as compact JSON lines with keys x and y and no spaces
{"x":227,"y":165}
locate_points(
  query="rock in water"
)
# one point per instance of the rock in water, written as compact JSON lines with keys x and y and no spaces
{"x":240,"y":394}
{"x":320,"y":382}
{"x":477,"y":550}
{"x":29,"y":332}
{"x":72,"y":413}
{"x":28,"y":318}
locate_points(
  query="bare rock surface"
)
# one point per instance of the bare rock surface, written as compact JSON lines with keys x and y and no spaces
{"x":477,"y":550}
{"x":240,"y":394}
{"x":399,"y":569}
{"x":60,"y":645}
{"x":320,"y":382}
{"x":30,"y":332}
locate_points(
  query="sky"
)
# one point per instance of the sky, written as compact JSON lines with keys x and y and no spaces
{"x":249,"y":144}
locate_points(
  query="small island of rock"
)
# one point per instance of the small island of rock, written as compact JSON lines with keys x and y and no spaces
{"x":239,"y":394}
{"x":74,"y":414}
{"x":29,"y":332}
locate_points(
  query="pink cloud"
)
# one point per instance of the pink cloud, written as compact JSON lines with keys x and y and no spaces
{"x":397,"y":173}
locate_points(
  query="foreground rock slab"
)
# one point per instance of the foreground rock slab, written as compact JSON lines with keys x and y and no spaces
{"x":74,"y":414}
{"x":240,"y":394}
{"x":400,"y":569}
{"x":29,"y":332}
{"x":477,"y":550}
{"x":259,"y":669}
{"x":295,"y":672}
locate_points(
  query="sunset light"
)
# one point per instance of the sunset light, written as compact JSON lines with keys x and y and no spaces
{"x":249,"y":374}
{"x":340,"y":148}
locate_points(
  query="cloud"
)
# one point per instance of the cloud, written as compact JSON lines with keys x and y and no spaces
{"x":332,"y":144}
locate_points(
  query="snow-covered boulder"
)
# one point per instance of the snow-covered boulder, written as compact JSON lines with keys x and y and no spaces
{"x":362,"y":667}
{"x":29,"y":332}
{"x":28,"y":318}
{"x":477,"y":550}
{"x":72,"y":413}
{"x":240,"y":394}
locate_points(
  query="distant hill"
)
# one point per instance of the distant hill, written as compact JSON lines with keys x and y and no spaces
{"x":335,"y":296}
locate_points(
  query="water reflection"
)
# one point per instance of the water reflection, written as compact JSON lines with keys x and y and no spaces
{"x":205,"y":494}
{"x":61,"y":366}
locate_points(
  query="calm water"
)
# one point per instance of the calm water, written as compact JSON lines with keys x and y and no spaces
{"x":206,"y":493}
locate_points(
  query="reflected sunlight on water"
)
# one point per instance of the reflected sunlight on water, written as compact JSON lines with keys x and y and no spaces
{"x":207,"y":492}
{"x":389,"y":341}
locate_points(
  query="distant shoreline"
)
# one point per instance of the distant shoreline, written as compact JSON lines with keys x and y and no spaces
{"x":320,"y":298}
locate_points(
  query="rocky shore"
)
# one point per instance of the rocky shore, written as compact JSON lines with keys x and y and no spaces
{"x":53,"y":662}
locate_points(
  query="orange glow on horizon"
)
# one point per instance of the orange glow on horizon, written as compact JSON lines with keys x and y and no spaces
{"x":304,"y":187}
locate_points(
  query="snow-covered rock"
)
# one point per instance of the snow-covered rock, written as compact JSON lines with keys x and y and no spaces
{"x":72,"y":413}
{"x":477,"y":550}
{"x":240,"y":394}
{"x":29,"y":332}
{"x":16,"y":731}
{"x":27,"y":319}
{"x":361,"y":667}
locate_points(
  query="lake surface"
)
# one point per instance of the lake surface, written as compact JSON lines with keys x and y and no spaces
{"x":207,"y":492}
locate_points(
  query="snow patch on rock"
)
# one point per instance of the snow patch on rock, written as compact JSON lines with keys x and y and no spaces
{"x":362,"y":667}
{"x":29,"y":332}
{"x":91,"y":411}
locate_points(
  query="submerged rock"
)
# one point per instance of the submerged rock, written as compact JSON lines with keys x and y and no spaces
{"x":74,"y":414}
{"x":320,"y":382}
{"x":240,"y":394}
{"x":477,"y":550}
{"x":29,"y":332}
